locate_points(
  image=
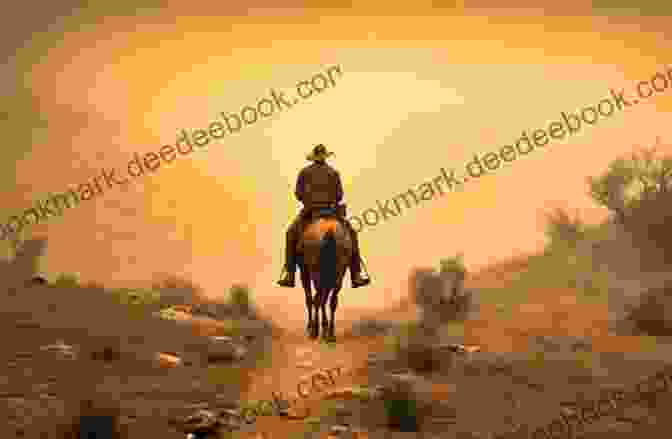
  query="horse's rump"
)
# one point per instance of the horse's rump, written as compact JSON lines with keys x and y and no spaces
{"x":311,"y":241}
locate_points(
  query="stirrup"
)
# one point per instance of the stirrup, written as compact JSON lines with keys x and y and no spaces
{"x":287,"y":279}
{"x":359,"y":281}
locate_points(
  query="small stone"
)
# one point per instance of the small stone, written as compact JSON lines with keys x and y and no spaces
{"x":339,"y":429}
{"x":297,"y":413}
{"x":167,"y":359}
{"x":38,"y":280}
{"x":305,"y":365}
{"x":225,"y":351}
{"x":202,"y":420}
{"x":222,"y":339}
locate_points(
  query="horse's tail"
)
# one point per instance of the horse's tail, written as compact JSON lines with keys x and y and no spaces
{"x":328,"y":261}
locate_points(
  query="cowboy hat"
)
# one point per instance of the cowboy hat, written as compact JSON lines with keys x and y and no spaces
{"x":319,"y":153}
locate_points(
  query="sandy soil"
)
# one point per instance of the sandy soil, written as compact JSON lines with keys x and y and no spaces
{"x":546,"y":312}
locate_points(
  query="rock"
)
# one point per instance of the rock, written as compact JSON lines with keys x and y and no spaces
{"x":371,"y":327}
{"x":408,"y":386}
{"x":559,"y":343}
{"x":183,"y":308}
{"x":203,"y":421}
{"x":230,"y":422}
{"x":349,"y":393}
{"x":205,"y":310}
{"x":222,"y":339}
{"x":108,"y":353}
{"x":636,"y":414}
{"x":60,"y":348}
{"x":457,"y":348}
{"x":339,"y":429}
{"x":220,"y":349}
{"x":38,"y":280}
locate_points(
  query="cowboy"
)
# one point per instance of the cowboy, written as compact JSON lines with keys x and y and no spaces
{"x":318,"y":187}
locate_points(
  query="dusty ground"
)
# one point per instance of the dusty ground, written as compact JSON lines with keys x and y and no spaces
{"x":546,"y":312}
{"x":37,"y":387}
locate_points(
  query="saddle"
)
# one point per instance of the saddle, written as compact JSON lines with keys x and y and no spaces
{"x":339,"y":212}
{"x":326,"y":212}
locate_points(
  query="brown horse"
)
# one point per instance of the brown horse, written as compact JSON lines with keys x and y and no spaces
{"x":324,"y":255}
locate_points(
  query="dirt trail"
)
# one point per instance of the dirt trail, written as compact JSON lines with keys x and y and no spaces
{"x":294,"y":358}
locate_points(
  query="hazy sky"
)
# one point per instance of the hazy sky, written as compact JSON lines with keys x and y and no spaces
{"x":420,"y":89}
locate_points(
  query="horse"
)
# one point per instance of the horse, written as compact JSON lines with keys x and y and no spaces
{"x":324,"y":254}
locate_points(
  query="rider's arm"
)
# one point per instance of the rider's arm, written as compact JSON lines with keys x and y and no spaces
{"x":300,"y":187}
{"x":339,"y":188}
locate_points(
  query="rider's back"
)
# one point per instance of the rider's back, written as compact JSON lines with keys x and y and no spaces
{"x":319,"y":185}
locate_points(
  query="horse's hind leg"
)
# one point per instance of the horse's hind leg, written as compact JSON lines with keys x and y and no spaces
{"x":315,"y":321}
{"x":331,"y":335}
{"x":305,"y":281}
{"x":324,"y":296}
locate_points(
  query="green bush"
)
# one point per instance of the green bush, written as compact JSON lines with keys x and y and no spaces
{"x":127,"y":296}
{"x":224,"y":375}
{"x":584,"y":359}
{"x":402,"y":413}
{"x":537,"y":359}
{"x":453,"y":329}
{"x":168,"y":314}
{"x":239,"y":297}
{"x":140,"y":303}
{"x":563,"y":230}
{"x":65,"y":280}
{"x":454,"y":264}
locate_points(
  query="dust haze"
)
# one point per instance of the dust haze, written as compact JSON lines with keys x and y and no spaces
{"x":100,"y":90}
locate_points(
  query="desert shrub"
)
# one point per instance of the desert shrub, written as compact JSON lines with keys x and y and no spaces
{"x":630,"y":180}
{"x":562,"y":229}
{"x":453,"y":264}
{"x":224,"y":375}
{"x":95,"y":418}
{"x":414,"y":347}
{"x":453,"y":329}
{"x":585,"y":359}
{"x":400,"y":339}
{"x":650,"y":225}
{"x":67,"y":280}
{"x":168,"y":314}
{"x":239,"y":295}
{"x":402,"y":413}
{"x":140,"y":303}
{"x":653,"y":315}
{"x":129,"y":296}
{"x":174,"y":290}
{"x":22,"y":259}
{"x":239,"y":299}
{"x":648,"y":343}
{"x":537,"y":359}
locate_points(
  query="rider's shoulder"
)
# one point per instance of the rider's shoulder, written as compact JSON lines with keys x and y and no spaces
{"x":331,"y":169}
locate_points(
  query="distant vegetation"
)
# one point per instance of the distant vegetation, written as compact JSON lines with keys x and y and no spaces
{"x":593,"y":259}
